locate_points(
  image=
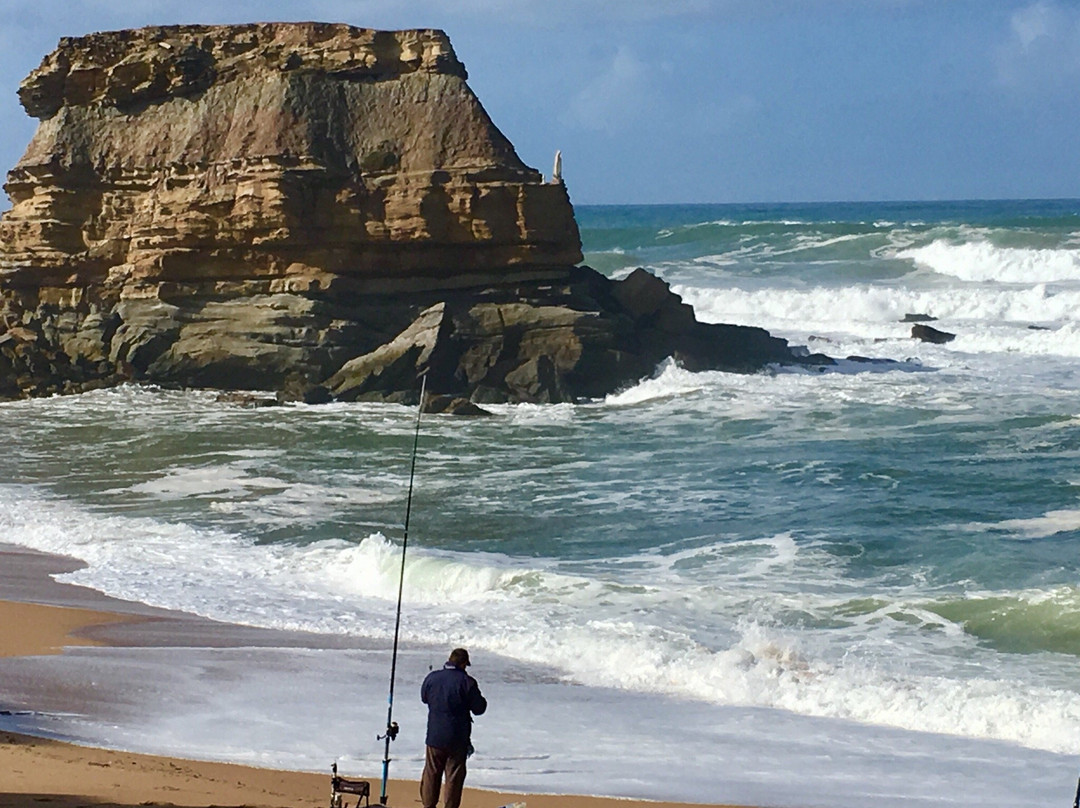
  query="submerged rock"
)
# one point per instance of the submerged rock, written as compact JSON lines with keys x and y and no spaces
{"x":928,"y":333}
{"x":248,"y":400}
{"x":451,"y":405}
{"x":315,"y":210}
{"x":870,"y":360}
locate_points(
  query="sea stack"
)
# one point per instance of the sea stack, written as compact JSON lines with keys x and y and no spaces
{"x":312,"y":209}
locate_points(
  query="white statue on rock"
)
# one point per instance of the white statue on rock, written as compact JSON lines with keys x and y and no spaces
{"x":556,"y":171}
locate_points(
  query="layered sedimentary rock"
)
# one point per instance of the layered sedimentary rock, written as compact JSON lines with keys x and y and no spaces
{"x":267,"y":206}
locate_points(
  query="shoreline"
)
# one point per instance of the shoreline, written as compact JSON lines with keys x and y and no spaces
{"x":33,"y":629}
{"x":41,"y":616}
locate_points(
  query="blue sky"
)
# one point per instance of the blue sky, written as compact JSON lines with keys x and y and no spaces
{"x":711,"y":100}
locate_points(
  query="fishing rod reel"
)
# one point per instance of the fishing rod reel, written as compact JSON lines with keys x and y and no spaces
{"x":391,"y":732}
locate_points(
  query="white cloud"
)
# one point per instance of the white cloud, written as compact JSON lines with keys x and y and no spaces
{"x":1042,"y":48}
{"x":614,"y":98}
{"x":1033,"y":22}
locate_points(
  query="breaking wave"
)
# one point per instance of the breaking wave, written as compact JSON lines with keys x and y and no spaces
{"x":1036,"y":320}
{"x":982,"y":261}
{"x":644,"y":622}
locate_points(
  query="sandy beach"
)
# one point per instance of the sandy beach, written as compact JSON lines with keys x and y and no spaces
{"x":39,"y":616}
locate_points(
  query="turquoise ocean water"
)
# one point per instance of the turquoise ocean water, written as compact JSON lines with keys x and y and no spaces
{"x":797,"y":588}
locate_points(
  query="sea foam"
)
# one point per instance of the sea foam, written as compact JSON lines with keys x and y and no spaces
{"x":645,"y":623}
{"x":1035,"y":320}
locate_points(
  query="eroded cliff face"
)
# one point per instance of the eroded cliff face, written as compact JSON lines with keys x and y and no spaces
{"x":313,"y":209}
{"x":238,"y":189}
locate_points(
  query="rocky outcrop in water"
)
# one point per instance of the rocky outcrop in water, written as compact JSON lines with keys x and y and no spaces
{"x":928,"y":333}
{"x":581,"y":338}
{"x":313,"y":209}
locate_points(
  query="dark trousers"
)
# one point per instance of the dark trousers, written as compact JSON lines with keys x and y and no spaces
{"x":437,"y":762}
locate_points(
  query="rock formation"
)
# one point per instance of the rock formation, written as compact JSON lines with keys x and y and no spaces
{"x":928,"y":333}
{"x":313,"y":209}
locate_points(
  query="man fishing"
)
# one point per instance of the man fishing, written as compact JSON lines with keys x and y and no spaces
{"x":453,"y":698}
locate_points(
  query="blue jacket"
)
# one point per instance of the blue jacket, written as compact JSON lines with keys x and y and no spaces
{"x":451,"y":695}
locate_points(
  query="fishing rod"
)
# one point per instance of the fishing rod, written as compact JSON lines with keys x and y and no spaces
{"x":391,"y":726}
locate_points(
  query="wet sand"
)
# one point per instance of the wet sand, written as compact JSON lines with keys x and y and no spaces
{"x":28,"y":629}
